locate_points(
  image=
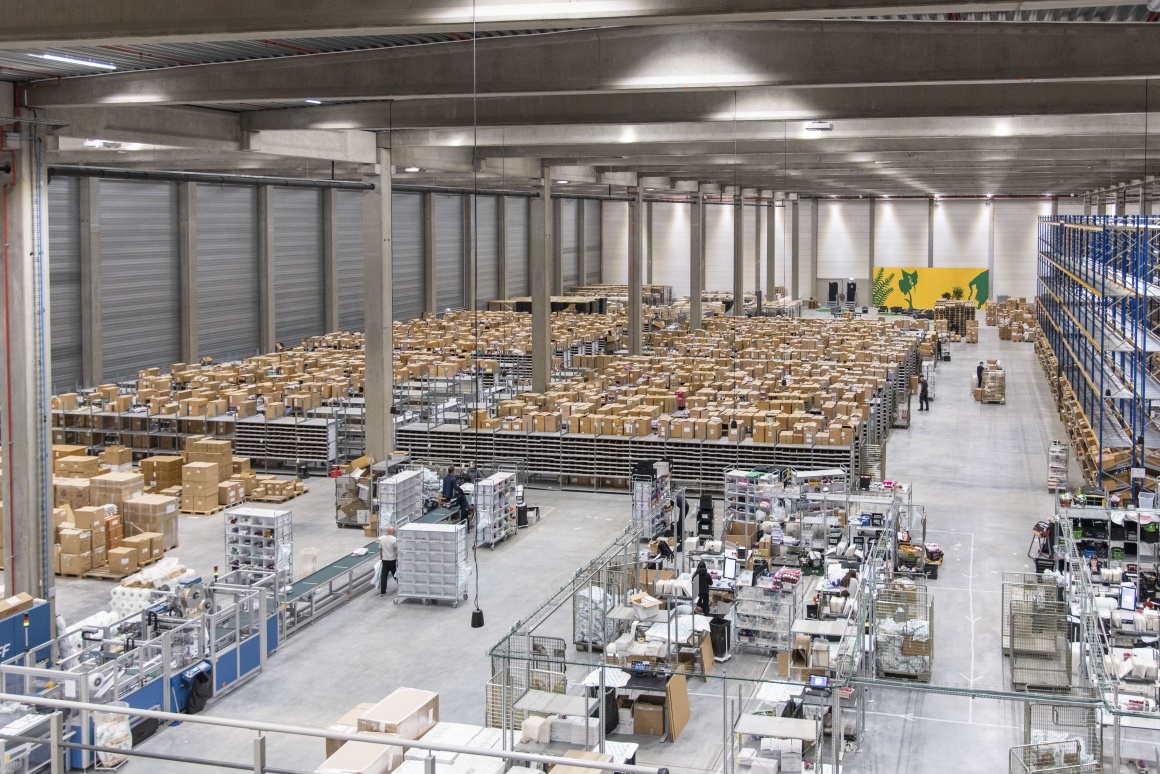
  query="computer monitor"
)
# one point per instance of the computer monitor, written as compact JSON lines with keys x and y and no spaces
{"x":819,"y":681}
{"x":1127,"y":597}
{"x":730,"y":568}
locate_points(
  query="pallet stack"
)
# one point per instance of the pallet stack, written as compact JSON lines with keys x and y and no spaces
{"x":994,"y":389}
{"x":161,"y":472}
{"x":153,"y":514}
{"x":956,"y":314}
{"x":199,"y":488}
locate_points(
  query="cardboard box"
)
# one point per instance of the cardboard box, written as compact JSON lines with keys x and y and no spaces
{"x":407,"y":712}
{"x":75,"y":541}
{"x":142,"y":545}
{"x":648,"y":716}
{"x":122,"y":560}
{"x":15,"y":604}
{"x":347,"y":724}
{"x":362,"y":758}
{"x":75,"y":564}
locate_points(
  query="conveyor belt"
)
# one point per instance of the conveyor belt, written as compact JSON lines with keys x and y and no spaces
{"x":330,"y":572}
{"x":436,"y":515}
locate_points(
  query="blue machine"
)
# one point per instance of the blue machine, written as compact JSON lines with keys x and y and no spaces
{"x":26,"y":632}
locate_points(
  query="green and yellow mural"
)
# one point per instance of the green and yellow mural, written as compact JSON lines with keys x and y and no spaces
{"x":920,"y":287}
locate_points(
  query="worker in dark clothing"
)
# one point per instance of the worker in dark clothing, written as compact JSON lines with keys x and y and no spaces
{"x":923,"y":391}
{"x":464,"y":507}
{"x":702,"y":581}
{"x":979,"y":373}
{"x":449,"y":485}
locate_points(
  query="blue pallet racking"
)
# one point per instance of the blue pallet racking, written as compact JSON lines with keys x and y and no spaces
{"x":1099,"y":308}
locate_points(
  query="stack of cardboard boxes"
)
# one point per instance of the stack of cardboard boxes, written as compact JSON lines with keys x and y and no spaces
{"x":116,"y":489}
{"x":153,"y":514}
{"x":972,"y":336}
{"x":408,"y":713}
{"x":161,"y":473}
{"x":199,"y":488}
{"x":994,"y":389}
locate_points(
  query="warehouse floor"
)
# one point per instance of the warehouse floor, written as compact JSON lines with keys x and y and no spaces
{"x":979,"y":469}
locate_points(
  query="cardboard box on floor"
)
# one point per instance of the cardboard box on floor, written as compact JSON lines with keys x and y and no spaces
{"x":407,"y":712}
{"x":347,"y":724}
{"x":363,"y":758}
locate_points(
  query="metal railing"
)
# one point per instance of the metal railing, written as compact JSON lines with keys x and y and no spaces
{"x":58,"y":743}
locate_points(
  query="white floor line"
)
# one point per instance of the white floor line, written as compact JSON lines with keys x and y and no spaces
{"x":960,"y":588}
{"x":920,"y":718}
{"x":971,"y":617}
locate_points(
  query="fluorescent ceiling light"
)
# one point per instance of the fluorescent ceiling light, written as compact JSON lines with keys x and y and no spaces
{"x":80,"y":62}
{"x":884,"y":162}
{"x":990,"y":195}
{"x":410,"y":169}
{"x":819,"y":126}
{"x":650,"y":189}
{"x":312,"y":101}
{"x":562,"y":182}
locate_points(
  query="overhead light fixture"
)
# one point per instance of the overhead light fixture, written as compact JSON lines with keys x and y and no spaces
{"x":75,"y":61}
{"x":884,"y":163}
{"x":312,"y":101}
{"x":410,"y":169}
{"x":990,"y":196}
{"x":819,"y":126}
{"x":833,"y":196}
{"x":562,"y":182}
{"x":650,"y":189}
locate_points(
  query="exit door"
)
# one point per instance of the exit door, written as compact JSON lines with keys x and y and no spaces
{"x":833,"y":295}
{"x":852,"y":293}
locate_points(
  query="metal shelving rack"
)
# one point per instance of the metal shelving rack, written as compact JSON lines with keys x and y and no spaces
{"x":287,"y":439}
{"x":400,"y":499}
{"x":1057,"y":457}
{"x":435,"y":556}
{"x":1098,"y":305}
{"x":743,"y":494}
{"x":260,"y":539}
{"x":495,"y":508}
{"x":764,"y":617}
{"x":650,"y":496}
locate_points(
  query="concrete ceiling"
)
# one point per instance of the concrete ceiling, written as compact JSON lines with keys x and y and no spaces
{"x":915,"y":108}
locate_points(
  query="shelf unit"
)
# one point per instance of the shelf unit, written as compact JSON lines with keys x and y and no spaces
{"x":764,"y":617}
{"x":143,"y":433}
{"x":1057,"y":459}
{"x":287,"y":439}
{"x":651,"y":494}
{"x":1098,"y":289}
{"x":743,"y":494}
{"x":260,"y":539}
{"x":495,"y":508}
{"x":434,"y":558}
{"x":400,"y":499}
{"x":1124,"y":545}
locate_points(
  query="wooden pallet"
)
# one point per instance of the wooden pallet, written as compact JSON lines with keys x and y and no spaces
{"x":271,"y":499}
{"x":993,"y":401}
{"x":102,"y":573}
{"x":584,"y":646}
{"x":203,"y":513}
{"x":920,"y":678}
{"x":71,"y":575}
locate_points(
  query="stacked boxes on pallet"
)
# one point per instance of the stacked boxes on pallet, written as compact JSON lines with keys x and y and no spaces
{"x":199,"y":487}
{"x":153,"y":513}
{"x":161,"y":472}
{"x":116,"y":489}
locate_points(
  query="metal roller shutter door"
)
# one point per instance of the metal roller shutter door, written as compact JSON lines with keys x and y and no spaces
{"x":298,"y":270}
{"x":350,"y":260}
{"x":227,"y":271}
{"x":517,"y":246}
{"x":448,"y":252}
{"x":407,"y":278}
{"x":592,"y":241}
{"x":486,"y":250}
{"x":64,"y":282}
{"x":570,"y":242}
{"x":140,"y":291}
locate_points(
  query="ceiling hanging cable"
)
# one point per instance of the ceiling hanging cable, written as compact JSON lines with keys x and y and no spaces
{"x":477,"y":613}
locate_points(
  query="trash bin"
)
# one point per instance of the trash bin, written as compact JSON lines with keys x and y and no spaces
{"x":719,"y":636}
{"x":522,"y":516}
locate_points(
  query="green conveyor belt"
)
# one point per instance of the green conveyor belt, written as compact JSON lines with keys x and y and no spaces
{"x":330,"y":572}
{"x":437,"y":515}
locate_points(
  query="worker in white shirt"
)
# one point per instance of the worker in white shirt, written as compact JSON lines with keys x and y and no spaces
{"x":389,"y":556}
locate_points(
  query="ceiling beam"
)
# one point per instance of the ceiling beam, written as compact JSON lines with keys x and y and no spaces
{"x":768,"y":104}
{"x":78,"y":22}
{"x":154,"y":125}
{"x":651,"y":59}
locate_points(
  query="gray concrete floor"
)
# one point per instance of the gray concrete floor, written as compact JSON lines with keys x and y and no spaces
{"x":979,"y":469}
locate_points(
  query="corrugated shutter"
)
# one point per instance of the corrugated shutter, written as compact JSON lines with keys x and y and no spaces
{"x":843,"y":240}
{"x":592,"y":241}
{"x":962,"y":233}
{"x":140,"y":291}
{"x":486,"y":250}
{"x":1017,"y":247}
{"x":64,"y":282}
{"x":671,"y":246}
{"x":900,"y":233}
{"x":615,"y":235}
{"x":407,"y":278}
{"x":517,"y":246}
{"x":570,"y":242}
{"x":448,"y":251}
{"x":227,"y":271}
{"x":806,"y":288}
{"x":351,"y":305}
{"x":719,"y":247}
{"x":298,"y":270}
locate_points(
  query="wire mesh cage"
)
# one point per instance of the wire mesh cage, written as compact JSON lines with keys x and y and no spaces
{"x":599,"y":594}
{"x":1023,"y":587}
{"x":1040,"y":652}
{"x":1064,"y":757}
{"x":904,"y":632}
{"x":1074,"y":729}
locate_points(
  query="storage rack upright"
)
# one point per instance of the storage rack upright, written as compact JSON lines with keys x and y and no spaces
{"x":495,"y":508}
{"x":260,"y":539}
{"x":1098,"y":295}
{"x":651,"y":492}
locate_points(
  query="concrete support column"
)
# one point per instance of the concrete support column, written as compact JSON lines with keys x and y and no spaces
{"x":930,"y":205}
{"x":636,"y":273}
{"x":1122,"y":202}
{"x":1145,"y":201}
{"x":266,"y":327}
{"x":581,"y":243}
{"x":25,"y":369}
{"x":1101,"y":204}
{"x":696,"y":259}
{"x":557,"y":247}
{"x":1087,"y":205}
{"x":540,"y":251}
{"x":187,"y":268}
{"x":330,"y":259}
{"x":502,"y":246}
{"x":869,"y":300}
{"x":738,"y":256}
{"x":92,"y":355}
{"x":469,"y":251}
{"x":1055,"y":206}
{"x":378,"y":311}
{"x":757,"y":240}
{"x":648,"y":241}
{"x":795,"y":251}
{"x":430,"y":276}
{"x":770,"y":250}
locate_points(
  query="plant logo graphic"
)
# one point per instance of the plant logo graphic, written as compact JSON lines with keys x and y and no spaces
{"x":907,"y":285}
{"x":980,"y":288}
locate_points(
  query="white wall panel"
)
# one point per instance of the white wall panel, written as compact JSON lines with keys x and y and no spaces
{"x":1016,"y":246}
{"x":569,"y":237}
{"x":962,"y":233}
{"x":843,"y":239}
{"x":782,"y":246}
{"x":408,"y":279}
{"x":486,"y":250}
{"x":1071,"y":206}
{"x":805,"y":247}
{"x":614,"y":240}
{"x":900,"y":232}
{"x":718,"y":247}
{"x":448,"y":251}
{"x":592,"y":241}
{"x":671,"y":246}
